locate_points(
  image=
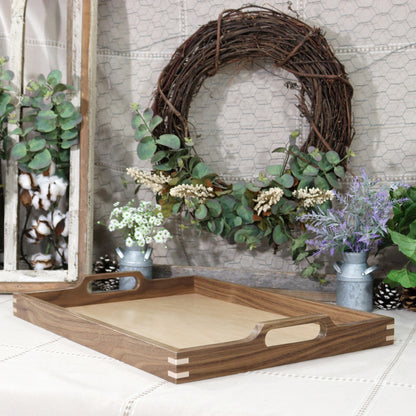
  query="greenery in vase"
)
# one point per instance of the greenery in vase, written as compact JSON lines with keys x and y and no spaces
{"x":357,"y":222}
{"x":247,"y":213}
{"x":139,"y":225}
{"x":402,"y":231}
{"x":47,"y":128}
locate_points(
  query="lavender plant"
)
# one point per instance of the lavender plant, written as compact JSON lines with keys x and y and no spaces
{"x":357,"y":222}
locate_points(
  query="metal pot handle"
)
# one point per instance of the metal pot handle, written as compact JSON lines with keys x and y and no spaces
{"x":337,"y":266}
{"x":369,"y":270}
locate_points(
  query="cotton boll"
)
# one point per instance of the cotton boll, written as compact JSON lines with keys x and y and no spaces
{"x":57,"y":188}
{"x":26,"y":181}
{"x":42,"y":261}
{"x":42,"y":226}
{"x":61,"y":252}
{"x":31,"y":236}
{"x":43,"y":183}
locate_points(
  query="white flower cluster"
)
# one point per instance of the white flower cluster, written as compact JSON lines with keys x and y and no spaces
{"x":199,"y":191}
{"x":41,"y":191}
{"x":153,"y":181}
{"x":313,"y":196}
{"x":266,"y":199}
{"x":41,"y":261}
{"x":140,"y":225}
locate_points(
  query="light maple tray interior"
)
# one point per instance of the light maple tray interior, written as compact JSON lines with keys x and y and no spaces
{"x":191,"y":328}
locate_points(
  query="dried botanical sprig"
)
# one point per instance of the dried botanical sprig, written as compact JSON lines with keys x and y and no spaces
{"x":200,"y":192}
{"x":357,"y":223}
{"x":266,"y":199}
{"x":313,"y":196}
{"x":155,"y":181}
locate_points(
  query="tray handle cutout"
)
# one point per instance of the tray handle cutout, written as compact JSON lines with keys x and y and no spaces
{"x":89,"y":283}
{"x":293,"y":330}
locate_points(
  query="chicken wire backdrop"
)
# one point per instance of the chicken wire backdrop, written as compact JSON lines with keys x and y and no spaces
{"x":246,"y":110}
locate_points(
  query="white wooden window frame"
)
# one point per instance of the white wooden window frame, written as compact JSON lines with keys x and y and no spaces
{"x":81,"y":64}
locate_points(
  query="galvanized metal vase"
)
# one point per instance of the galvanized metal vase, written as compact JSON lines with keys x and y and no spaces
{"x":134,"y":259}
{"x":355,"y":282}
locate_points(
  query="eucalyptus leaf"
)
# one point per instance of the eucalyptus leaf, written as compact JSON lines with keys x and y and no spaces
{"x":279,"y":236}
{"x":201,"y":212}
{"x":321,"y":183}
{"x":69,"y":134}
{"x":146,"y":148}
{"x":66,"y":109}
{"x":169,"y":140}
{"x":69,"y":143}
{"x":245,"y":213}
{"x":70,"y":122}
{"x":54,"y":78}
{"x":40,"y":161}
{"x":214,"y":207}
{"x":36,"y":144}
{"x":274,"y":170}
{"x":310,"y":171}
{"x":332,"y":179}
{"x":286,"y":180}
{"x":154,"y":122}
{"x":19,"y":151}
{"x":158,"y":156}
{"x":339,"y":171}
{"x":147,"y":115}
{"x":333,"y":157}
{"x":141,"y":132}
{"x":201,"y":170}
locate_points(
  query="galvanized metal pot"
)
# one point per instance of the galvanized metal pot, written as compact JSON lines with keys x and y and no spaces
{"x":133,"y":259}
{"x":355,"y":282}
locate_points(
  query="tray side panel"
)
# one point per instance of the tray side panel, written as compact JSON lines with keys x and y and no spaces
{"x":146,"y":356}
{"x":82,"y":295}
{"x":274,"y":302}
{"x":239,"y":357}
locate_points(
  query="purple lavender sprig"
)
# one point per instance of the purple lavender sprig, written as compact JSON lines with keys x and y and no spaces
{"x":358,"y":222}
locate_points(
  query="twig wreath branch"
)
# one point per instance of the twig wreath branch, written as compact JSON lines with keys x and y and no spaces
{"x":270,"y":206}
{"x":252,"y":33}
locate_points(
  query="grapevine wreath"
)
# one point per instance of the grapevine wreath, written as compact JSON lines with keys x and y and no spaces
{"x":268,"y":207}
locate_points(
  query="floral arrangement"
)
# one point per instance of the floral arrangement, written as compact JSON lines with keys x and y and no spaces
{"x":358,"y":222}
{"x":140,"y":225}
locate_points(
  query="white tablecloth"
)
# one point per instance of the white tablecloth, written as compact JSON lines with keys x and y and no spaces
{"x":42,"y":374}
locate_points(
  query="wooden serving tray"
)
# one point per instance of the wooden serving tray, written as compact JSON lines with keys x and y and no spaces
{"x":191,"y":328}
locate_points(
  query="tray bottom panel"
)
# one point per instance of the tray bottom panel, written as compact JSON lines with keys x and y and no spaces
{"x":191,"y":320}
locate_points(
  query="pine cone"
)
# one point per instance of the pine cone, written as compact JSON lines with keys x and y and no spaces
{"x":105,"y":264}
{"x":408,"y":298}
{"x":387,"y":297}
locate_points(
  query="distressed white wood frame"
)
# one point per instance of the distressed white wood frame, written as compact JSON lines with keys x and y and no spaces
{"x":81,"y":70}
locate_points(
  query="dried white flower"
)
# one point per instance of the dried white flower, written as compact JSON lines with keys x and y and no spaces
{"x":266,"y":199}
{"x":153,"y":181}
{"x":313,"y":196}
{"x":199,"y":191}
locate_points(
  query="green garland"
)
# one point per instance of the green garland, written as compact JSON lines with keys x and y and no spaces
{"x":248,"y":213}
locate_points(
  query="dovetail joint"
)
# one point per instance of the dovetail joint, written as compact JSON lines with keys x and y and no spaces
{"x":177,"y":376}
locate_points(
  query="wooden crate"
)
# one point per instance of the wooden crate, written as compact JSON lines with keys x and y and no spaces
{"x":191,"y":328}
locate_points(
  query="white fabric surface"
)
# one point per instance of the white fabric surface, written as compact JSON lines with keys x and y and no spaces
{"x":42,"y":374}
